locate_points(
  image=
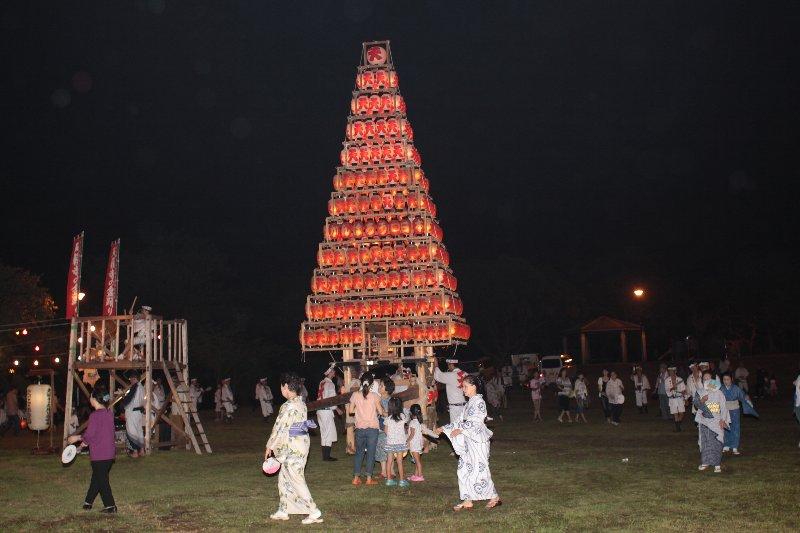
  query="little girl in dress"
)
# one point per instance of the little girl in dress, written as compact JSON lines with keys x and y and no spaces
{"x":396,"y":441}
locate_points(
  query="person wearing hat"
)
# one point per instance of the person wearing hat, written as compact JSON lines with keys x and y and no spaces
{"x":227,"y":400}
{"x":676,"y":392}
{"x":325,"y":419}
{"x":195,"y":393}
{"x":264,"y":397}
{"x":641,"y":387}
{"x":452,"y":380}
{"x":134,"y":415}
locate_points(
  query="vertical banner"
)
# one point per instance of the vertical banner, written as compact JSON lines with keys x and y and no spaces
{"x":74,"y":275}
{"x":111,"y":287}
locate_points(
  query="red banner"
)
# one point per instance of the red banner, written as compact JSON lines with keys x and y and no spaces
{"x":111,"y":287}
{"x":74,"y":275}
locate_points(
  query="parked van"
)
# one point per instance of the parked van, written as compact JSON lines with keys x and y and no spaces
{"x":551,"y":365}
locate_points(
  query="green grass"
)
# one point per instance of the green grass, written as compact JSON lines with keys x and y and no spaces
{"x":551,"y":477}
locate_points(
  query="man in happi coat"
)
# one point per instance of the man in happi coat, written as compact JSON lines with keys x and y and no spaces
{"x":264,"y":397}
{"x":712,"y":419}
{"x":325,"y":418}
{"x":452,"y":380}
{"x":134,"y":416}
{"x":663,"y":399}
{"x":226,"y":398}
{"x":195,"y":393}
{"x":641,"y":388}
{"x":676,"y":392}
{"x":734,"y":395}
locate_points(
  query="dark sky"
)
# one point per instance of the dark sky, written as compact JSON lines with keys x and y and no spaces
{"x":616,"y":142}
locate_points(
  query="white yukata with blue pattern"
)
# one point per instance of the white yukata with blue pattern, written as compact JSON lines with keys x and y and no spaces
{"x":472,"y":446}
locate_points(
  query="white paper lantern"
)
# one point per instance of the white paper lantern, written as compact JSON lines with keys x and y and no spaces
{"x":39,"y":397}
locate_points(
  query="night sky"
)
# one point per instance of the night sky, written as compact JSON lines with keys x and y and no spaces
{"x":615,"y":143}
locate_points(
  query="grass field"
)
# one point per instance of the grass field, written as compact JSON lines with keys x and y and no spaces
{"x":552,"y":477}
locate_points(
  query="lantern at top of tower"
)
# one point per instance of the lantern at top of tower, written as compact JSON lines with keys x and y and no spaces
{"x":376,"y":54}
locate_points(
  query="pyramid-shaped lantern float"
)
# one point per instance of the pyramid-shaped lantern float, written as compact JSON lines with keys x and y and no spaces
{"x":383,"y":280}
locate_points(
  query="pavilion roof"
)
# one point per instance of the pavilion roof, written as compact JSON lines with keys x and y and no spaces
{"x":607,"y":323}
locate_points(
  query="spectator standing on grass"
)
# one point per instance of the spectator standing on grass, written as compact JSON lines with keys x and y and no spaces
{"x":366,"y":406}
{"x":99,"y":438}
{"x":740,"y":376}
{"x":663,"y":399}
{"x":564,"y":385}
{"x":602,"y":382}
{"x":12,"y":412}
{"x":581,"y":398}
{"x":396,"y":441}
{"x":387,"y":389}
{"x":641,"y":387}
{"x":797,"y":401}
{"x":616,"y":397}
{"x":535,"y":384}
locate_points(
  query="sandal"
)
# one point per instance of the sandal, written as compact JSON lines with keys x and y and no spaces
{"x":461,"y":506}
{"x":494,"y":502}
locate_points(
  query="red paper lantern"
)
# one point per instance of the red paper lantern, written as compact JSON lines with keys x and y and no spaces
{"x":405,"y":279}
{"x":382,"y":281}
{"x":405,"y":227}
{"x":406,"y":333}
{"x":375,"y":308}
{"x":377,"y":254}
{"x":399,"y":201}
{"x":334,"y":284}
{"x":388,"y":254}
{"x":400,"y":253}
{"x":383,"y":228}
{"x":395,"y":333}
{"x":386,"y":308}
{"x":375,"y":203}
{"x":419,"y":333}
{"x":346,"y":283}
{"x":338,"y":182}
{"x":412,"y":253}
{"x":372,"y":178}
{"x":344,"y":336}
{"x":370,"y":282}
{"x":394,"y":228}
{"x":358,"y":229}
{"x":358,"y":282}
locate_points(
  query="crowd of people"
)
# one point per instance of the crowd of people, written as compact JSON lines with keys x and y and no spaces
{"x":385,"y":431}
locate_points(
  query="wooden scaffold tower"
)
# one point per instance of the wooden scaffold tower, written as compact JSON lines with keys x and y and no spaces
{"x":383,"y":291}
{"x":144,"y":343}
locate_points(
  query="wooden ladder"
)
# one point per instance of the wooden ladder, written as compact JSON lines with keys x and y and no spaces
{"x":186,"y":408}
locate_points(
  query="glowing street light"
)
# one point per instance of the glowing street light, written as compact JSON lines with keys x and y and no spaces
{"x":638,"y":292}
{"x":16,"y":362}
{"x":24,"y":331}
{"x":57,"y":360}
{"x":35,"y":362}
{"x":81,"y":296}
{"x":36,"y":348}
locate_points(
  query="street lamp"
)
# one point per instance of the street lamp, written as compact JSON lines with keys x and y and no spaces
{"x":81,"y":296}
{"x":638,"y":292}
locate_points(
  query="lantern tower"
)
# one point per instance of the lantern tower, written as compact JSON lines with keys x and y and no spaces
{"x":383,"y":288}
